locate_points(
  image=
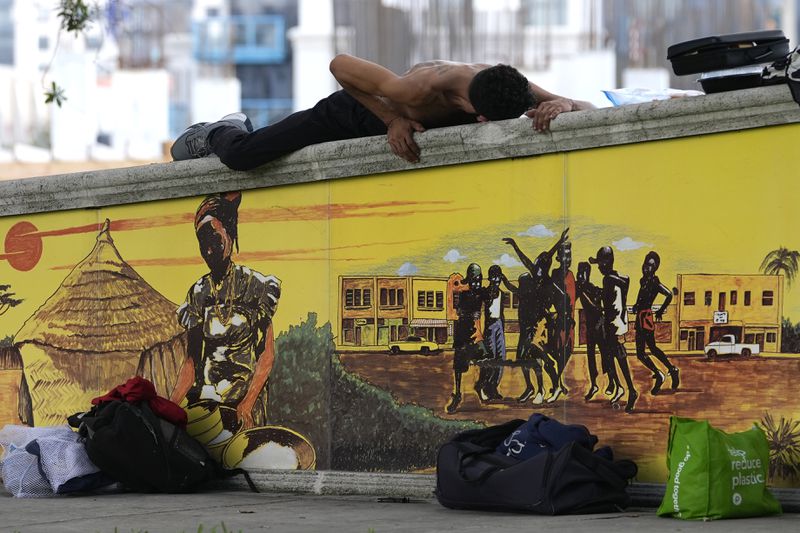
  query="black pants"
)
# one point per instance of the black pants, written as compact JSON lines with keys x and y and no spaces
{"x":335,"y":118}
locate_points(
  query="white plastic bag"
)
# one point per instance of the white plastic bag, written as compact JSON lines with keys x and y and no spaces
{"x":39,"y":461}
{"x":627,"y":96}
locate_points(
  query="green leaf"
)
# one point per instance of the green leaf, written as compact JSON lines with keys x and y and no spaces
{"x":74,"y":15}
{"x":54,"y":94}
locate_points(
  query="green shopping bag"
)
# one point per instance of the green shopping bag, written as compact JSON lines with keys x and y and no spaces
{"x":713,"y":474}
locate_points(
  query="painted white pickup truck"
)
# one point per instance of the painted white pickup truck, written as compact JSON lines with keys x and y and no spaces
{"x":727,"y":345}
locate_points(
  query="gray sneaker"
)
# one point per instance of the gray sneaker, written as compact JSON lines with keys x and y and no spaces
{"x":193,"y":142}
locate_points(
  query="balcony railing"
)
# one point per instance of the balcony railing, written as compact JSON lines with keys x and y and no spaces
{"x":257,"y":40}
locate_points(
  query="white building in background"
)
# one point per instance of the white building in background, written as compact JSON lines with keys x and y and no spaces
{"x":313,"y":46}
{"x":111,"y":112}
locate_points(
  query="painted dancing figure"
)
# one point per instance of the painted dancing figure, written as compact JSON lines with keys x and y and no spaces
{"x":494,"y":337}
{"x":538,"y":294}
{"x":649,"y":288}
{"x":467,"y":332}
{"x":562,"y":336}
{"x":615,"y":318}
{"x":591,"y":297}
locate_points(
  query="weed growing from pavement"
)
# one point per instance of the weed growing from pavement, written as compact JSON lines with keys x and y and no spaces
{"x":215,"y":530}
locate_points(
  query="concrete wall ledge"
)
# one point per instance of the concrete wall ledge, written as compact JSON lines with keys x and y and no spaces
{"x":682,"y":117}
{"x":421,"y":486}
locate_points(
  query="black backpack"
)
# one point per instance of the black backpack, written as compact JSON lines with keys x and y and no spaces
{"x":470,"y":474}
{"x":144,"y":452}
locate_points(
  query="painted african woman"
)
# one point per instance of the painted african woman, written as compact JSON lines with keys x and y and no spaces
{"x":228,"y":316}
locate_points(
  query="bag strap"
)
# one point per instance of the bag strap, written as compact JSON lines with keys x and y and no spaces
{"x":490,"y":435}
{"x":167,"y":442}
{"x":226,"y":473}
{"x":468,"y":454}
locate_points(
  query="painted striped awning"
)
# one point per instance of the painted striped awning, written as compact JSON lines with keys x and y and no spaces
{"x":428,"y":323}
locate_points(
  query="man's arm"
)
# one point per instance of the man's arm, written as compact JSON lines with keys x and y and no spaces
{"x":607,"y":300}
{"x":549,"y":106}
{"x":667,"y":299}
{"x":508,"y":285}
{"x":557,"y":245}
{"x":522,"y":257}
{"x":370,"y":83}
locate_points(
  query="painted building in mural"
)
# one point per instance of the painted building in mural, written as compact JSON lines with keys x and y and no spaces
{"x":750,"y":307}
{"x":705,"y":308}
{"x":376,"y":310}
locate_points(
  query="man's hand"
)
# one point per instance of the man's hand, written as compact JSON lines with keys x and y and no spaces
{"x":509,"y":240}
{"x":563,"y":238}
{"x":545,"y":112}
{"x":401,"y":138}
{"x":477,"y":334}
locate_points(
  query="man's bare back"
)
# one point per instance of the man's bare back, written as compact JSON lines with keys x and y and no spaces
{"x":429,"y":95}
{"x":443,"y":100}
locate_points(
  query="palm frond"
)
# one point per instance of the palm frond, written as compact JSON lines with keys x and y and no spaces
{"x":784,"y":446}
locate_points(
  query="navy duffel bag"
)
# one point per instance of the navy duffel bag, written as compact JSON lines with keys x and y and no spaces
{"x":470,"y":474}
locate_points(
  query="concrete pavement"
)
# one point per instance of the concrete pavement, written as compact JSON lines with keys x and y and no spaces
{"x":282,"y":512}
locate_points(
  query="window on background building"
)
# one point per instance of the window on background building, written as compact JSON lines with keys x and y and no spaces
{"x":506,"y":296}
{"x":684,"y":334}
{"x":766,"y":298}
{"x":348,"y":298}
{"x":772,"y":337}
{"x":357,"y":297}
{"x":688,"y":298}
{"x":708,"y":296}
{"x":456,"y":295}
{"x":749,"y":338}
{"x":543,"y":13}
{"x":431,"y":300}
{"x":734,"y":297}
{"x":746,"y":297}
{"x":392,"y":296}
{"x":400,"y":297}
{"x":384,"y":297}
{"x":367,"y":296}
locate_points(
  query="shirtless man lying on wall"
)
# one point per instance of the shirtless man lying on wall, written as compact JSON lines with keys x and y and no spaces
{"x":375,"y":101}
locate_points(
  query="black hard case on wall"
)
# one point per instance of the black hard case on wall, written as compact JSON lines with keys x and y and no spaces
{"x":721,"y":52}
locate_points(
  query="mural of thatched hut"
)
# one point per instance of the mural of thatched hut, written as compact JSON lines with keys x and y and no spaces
{"x":103,"y":325}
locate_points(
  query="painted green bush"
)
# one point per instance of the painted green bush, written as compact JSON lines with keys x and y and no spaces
{"x":352,"y":424}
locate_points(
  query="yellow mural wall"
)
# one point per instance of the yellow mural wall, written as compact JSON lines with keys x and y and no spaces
{"x":715,"y":204}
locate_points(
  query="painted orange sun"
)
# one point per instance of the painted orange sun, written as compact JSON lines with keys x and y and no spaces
{"x":23,"y":246}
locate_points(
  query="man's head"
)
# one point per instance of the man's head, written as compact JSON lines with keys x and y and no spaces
{"x":500,"y":92}
{"x":541,"y":267}
{"x":604,"y":259}
{"x":584,"y":272}
{"x":474,"y":276}
{"x":495,"y":275}
{"x":651,"y":263}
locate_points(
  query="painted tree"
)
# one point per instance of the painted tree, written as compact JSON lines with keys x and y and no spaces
{"x":782,"y":261}
{"x":7,"y":300}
